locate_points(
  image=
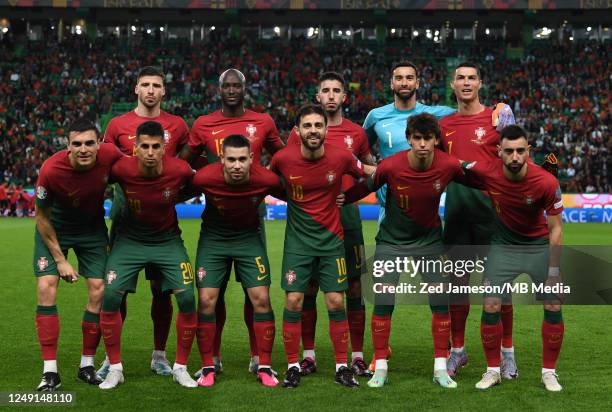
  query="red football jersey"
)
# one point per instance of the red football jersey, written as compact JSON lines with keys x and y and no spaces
{"x":150,"y":201}
{"x":77,"y":197}
{"x":519,"y":205}
{"x":346,"y":135}
{"x":470,"y":137}
{"x":208,"y":132}
{"x":121,"y":131}
{"x":232,"y":210}
{"x":313,"y":219}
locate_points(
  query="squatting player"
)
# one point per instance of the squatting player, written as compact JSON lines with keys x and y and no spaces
{"x":344,"y":134}
{"x":230,"y":234}
{"x":70,"y":215}
{"x":121,"y":131}
{"x":207,"y":135}
{"x":415,"y":180}
{"x":313,"y":245}
{"x":149,"y":235}
{"x":524,"y":241}
{"x":468,"y":216}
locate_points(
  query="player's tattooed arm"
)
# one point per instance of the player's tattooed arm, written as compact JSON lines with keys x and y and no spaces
{"x":48,"y":235}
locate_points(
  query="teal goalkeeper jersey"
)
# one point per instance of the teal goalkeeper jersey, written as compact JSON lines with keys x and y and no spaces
{"x":386,"y":125}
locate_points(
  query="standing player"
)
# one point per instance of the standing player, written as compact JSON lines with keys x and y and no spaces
{"x":149,"y":235}
{"x":314,"y":236}
{"x":415,"y":180}
{"x":69,"y":214}
{"x":234,"y":188}
{"x":468,"y":216}
{"x":386,"y":125}
{"x":344,"y":134}
{"x":207,"y":135}
{"x":524,"y":241}
{"x":121,"y":131}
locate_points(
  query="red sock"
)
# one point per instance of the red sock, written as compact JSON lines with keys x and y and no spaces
{"x":161,"y":314}
{"x":381,"y":330}
{"x":220,"y":314}
{"x":206,"y":338}
{"x":264,"y":332}
{"x":91,"y":337}
{"x":186,"y":327}
{"x":440,"y":330}
{"x":111,"y":325}
{"x":248,"y":321}
{"x":292,"y":331}
{"x":339,"y":334}
{"x":506,"y":318}
{"x":552,"y":338}
{"x":458,"y":315}
{"x":47,"y":328}
{"x":491,"y":336}
{"x":356,"y":320}
{"x":309,"y":326}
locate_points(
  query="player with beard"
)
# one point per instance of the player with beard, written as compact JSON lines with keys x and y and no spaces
{"x":121,"y":131}
{"x":207,"y":135}
{"x":313,"y":245}
{"x":344,"y":134}
{"x":525,"y":240}
{"x":468,"y":214}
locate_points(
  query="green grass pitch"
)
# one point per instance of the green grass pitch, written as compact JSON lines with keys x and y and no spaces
{"x":583,"y":365}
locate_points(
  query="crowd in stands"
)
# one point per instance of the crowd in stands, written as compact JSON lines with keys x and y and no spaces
{"x":559,"y":93}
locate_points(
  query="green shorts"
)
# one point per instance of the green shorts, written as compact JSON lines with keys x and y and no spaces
{"x":354,"y":251}
{"x":330,"y":271}
{"x":506,"y":262}
{"x":128,"y":257}
{"x":90,"y":250}
{"x":214,"y":263}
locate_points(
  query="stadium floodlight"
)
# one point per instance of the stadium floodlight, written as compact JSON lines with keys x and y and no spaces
{"x":589,"y":28}
{"x":117,"y":28}
{"x":5,"y":30}
{"x":133,"y":28}
{"x":161,"y":29}
{"x":436,"y":38}
{"x":212,"y":28}
{"x":148,"y":31}
{"x":348,"y":32}
{"x":277,"y":30}
{"x":415,"y":33}
{"x":428,"y":35}
{"x":487,"y":31}
{"x":310,"y":31}
{"x":437,"y":33}
{"x":571,"y":38}
{"x":392,"y":31}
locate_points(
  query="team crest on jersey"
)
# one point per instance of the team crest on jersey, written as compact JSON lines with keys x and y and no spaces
{"x":42,"y":263}
{"x":167,"y":136}
{"x":251,"y":130}
{"x":331,"y":176}
{"x":349,"y":142}
{"x":41,"y":192}
{"x":290,"y":276}
{"x":201,"y":273}
{"x":480,"y":134}
{"x":166,"y":194}
{"x":111,"y":276}
{"x":437,"y":186}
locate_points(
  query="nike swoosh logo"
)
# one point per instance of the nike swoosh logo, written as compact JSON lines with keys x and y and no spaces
{"x":378,"y":330}
{"x":129,"y":192}
{"x":341,"y":279}
{"x":262,"y":277}
{"x":216,"y":132}
{"x":494,"y":193}
{"x":402,"y":187}
{"x":216,"y":199}
{"x":131,"y":137}
{"x":449,"y":133}
{"x":291,"y":177}
{"x":386,"y":124}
